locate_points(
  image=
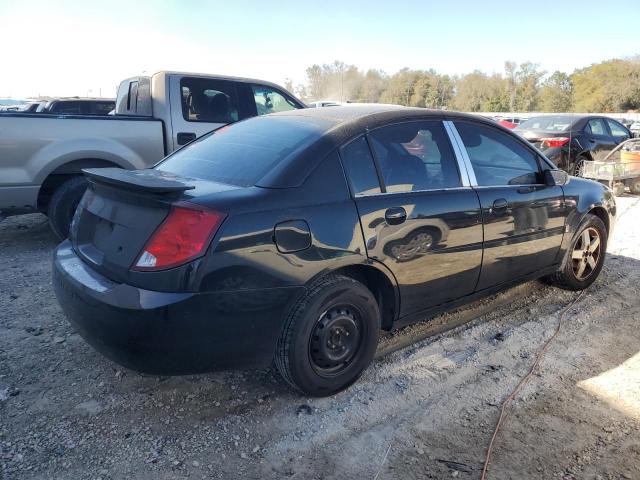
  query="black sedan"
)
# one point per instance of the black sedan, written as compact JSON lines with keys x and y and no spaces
{"x":569,"y":140}
{"x":297,"y":236}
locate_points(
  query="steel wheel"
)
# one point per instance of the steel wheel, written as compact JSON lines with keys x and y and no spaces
{"x":336,"y":340}
{"x":586,"y":253}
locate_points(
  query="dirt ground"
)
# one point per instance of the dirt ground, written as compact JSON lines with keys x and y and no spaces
{"x":423,"y":411}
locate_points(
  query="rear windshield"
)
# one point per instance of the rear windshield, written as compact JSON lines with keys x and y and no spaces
{"x":556,"y":123}
{"x":242,"y":153}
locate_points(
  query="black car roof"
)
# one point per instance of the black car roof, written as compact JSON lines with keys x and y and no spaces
{"x":342,"y":124}
{"x":371,"y":114}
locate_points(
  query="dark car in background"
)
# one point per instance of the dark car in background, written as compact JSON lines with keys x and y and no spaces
{"x":569,"y":140}
{"x":295,"y":237}
{"x":79,"y":106}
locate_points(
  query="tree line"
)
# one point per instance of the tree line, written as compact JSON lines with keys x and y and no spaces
{"x":609,"y":86}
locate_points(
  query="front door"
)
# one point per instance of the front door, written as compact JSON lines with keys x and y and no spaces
{"x":523,"y":218}
{"x":416,"y":216}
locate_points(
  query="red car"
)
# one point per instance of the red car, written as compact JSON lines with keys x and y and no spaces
{"x":507,"y":123}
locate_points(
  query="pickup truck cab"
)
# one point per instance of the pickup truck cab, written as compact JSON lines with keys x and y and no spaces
{"x":42,"y":155}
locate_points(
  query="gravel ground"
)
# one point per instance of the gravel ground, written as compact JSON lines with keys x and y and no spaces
{"x":423,"y":411}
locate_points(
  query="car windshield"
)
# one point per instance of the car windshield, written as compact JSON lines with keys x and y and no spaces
{"x":242,"y":153}
{"x":556,"y":123}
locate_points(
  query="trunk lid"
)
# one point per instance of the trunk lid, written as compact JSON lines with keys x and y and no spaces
{"x":122,"y":209}
{"x":535,"y":136}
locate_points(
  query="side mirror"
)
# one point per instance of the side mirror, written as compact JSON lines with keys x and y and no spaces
{"x":555,"y":177}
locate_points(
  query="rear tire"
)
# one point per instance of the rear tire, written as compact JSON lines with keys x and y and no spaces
{"x":634,"y":186}
{"x":329,"y":337}
{"x":578,"y":166}
{"x":63,"y":204}
{"x":584,"y":258}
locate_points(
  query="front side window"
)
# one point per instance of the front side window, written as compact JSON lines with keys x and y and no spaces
{"x":360,"y":167}
{"x":497,"y":159}
{"x":209,"y":100}
{"x":415,"y":156}
{"x":617,"y":130}
{"x":269,"y":100}
{"x":596,"y":126}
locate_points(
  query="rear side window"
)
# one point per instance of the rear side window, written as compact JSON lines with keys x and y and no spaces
{"x":596,"y":126}
{"x":243,"y":153}
{"x":415,"y":156}
{"x":497,"y":159}
{"x":209,"y":100}
{"x":361,"y":170}
{"x":269,"y":100}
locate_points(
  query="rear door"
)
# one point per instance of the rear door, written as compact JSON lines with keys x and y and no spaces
{"x":523,"y":218}
{"x":201,"y":104}
{"x":601,"y":140}
{"x":419,"y":216}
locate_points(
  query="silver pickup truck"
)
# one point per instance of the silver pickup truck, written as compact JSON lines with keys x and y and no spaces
{"x":42,"y":155}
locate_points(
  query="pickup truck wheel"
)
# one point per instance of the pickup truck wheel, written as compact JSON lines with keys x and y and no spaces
{"x":329,"y":337}
{"x":63,"y":204}
{"x":585,"y":257}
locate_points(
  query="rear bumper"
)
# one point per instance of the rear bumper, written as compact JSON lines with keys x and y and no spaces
{"x":19,"y":199}
{"x":169,"y":333}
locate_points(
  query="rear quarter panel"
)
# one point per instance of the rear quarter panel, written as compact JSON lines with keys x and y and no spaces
{"x":246,"y":255}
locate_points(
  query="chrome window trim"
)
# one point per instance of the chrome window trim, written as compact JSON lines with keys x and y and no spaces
{"x":460,"y":152}
{"x":432,"y":190}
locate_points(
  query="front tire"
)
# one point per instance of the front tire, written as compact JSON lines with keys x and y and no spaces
{"x":585,"y":257}
{"x":63,"y":204}
{"x":329,"y":337}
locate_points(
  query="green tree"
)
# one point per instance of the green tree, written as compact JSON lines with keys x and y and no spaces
{"x":556,"y":94}
{"x":609,"y":86}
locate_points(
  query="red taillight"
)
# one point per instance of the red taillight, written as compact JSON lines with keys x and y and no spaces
{"x":551,"y":142}
{"x":183,"y":236}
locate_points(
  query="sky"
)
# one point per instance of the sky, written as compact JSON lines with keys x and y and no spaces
{"x":63,"y":48}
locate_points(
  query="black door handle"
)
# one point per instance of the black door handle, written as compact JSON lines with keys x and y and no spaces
{"x":395,"y":215}
{"x":185,"y":137}
{"x":500,"y":204}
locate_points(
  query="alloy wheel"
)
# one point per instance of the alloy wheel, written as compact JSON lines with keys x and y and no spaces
{"x":586,"y":253}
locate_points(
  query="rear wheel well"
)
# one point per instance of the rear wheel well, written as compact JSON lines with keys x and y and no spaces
{"x":379,"y":285}
{"x":63,"y":173}
{"x":601,"y":213}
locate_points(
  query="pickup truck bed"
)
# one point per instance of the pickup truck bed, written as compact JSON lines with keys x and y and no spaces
{"x":35,"y":146}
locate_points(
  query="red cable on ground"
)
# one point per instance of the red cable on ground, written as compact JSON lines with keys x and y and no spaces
{"x":524,"y":380}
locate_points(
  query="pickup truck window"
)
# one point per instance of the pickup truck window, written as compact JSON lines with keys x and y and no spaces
{"x":208,"y":100}
{"x":269,"y":100}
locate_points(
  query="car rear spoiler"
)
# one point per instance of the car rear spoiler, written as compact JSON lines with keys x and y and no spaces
{"x":148,"y":180}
